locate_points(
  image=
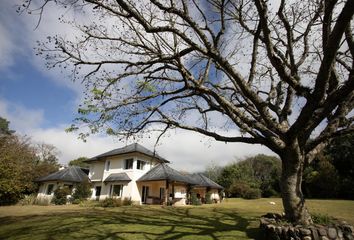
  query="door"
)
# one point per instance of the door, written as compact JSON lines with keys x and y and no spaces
{"x":144,"y":194}
{"x":98,"y":193}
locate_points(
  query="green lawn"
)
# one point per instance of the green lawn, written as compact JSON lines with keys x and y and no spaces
{"x":233,"y":219}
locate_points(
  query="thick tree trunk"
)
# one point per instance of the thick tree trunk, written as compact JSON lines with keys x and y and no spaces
{"x":293,"y":200}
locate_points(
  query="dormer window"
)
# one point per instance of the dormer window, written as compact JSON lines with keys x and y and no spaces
{"x":108,"y":164}
{"x":128,"y":163}
{"x":140,"y":164}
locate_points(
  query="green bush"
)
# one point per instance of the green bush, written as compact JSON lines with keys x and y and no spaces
{"x":111,"y":202}
{"x":60,"y":196}
{"x":82,"y":192}
{"x":252,"y":193}
{"x":324,"y":219}
{"x":208,"y":199}
{"x":127,"y":201}
{"x":194,"y":199}
{"x":28,"y":200}
{"x":238,"y":189}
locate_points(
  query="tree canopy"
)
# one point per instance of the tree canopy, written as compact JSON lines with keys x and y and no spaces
{"x":21,"y":164}
{"x":276,"y":73}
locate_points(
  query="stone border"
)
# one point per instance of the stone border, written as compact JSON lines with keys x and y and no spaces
{"x":273,"y":228}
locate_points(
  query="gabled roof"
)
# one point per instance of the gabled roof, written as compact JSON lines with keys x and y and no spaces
{"x":70,"y":174}
{"x":163,"y":172}
{"x":118,"y":177}
{"x":132,"y":148}
{"x":204,"y":181}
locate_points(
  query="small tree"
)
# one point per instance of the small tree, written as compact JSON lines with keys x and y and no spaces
{"x":60,"y":195}
{"x":82,"y":191}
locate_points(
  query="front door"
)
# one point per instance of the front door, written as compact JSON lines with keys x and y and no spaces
{"x":98,"y":192}
{"x":144,"y":194}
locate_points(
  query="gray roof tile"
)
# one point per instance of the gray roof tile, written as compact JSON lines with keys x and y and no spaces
{"x":70,"y":174}
{"x":163,"y":172}
{"x":204,"y":181}
{"x":135,"y":147}
{"x":118,"y":177}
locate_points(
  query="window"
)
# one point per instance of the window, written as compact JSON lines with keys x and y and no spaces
{"x":108,"y":163}
{"x":50,"y":189}
{"x":140,"y":165}
{"x":116,"y":190}
{"x":128,"y":164}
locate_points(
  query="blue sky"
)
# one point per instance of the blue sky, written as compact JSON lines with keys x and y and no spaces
{"x":41,"y":103}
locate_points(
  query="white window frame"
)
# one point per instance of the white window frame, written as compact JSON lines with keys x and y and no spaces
{"x":120,"y":190}
{"x":107,"y":165}
{"x":142,"y":163}
{"x":52,"y":190}
{"x":125,"y":163}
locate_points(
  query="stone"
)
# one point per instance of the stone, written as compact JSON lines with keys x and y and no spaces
{"x":332,"y":233}
{"x":324,"y":238}
{"x":305,"y":232}
{"x":307,"y":238}
{"x":340,"y":233}
{"x":315,"y":234}
{"x":322,"y":231}
{"x":348,"y":228}
{"x":348,"y":236}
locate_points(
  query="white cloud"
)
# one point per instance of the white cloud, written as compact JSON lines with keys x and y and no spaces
{"x":21,"y":118}
{"x":185,"y":150}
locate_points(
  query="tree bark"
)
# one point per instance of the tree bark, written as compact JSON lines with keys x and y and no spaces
{"x":291,"y":178}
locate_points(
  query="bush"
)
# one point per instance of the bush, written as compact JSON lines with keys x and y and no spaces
{"x":28,"y":200}
{"x":82,"y":192}
{"x":252,"y":193}
{"x":323,"y":219}
{"x":208,"y":199}
{"x":238,"y":189}
{"x":127,"y":201}
{"x":194,"y":199}
{"x":111,"y":202}
{"x":60,"y":196}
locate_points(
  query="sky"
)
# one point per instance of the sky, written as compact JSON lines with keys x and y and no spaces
{"x":42,"y":103}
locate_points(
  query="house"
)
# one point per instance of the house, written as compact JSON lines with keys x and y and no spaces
{"x":143,"y":176}
{"x":66,"y":177}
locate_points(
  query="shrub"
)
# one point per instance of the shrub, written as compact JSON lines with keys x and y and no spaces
{"x":239,"y":188}
{"x":127,"y":201}
{"x":111,"y":202}
{"x":323,"y":219}
{"x":194,"y":199}
{"x":82,"y":191}
{"x":252,"y":193}
{"x":208,"y":199}
{"x":28,"y":200}
{"x":60,"y":196}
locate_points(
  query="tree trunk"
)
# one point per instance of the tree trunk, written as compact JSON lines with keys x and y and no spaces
{"x":293,"y":200}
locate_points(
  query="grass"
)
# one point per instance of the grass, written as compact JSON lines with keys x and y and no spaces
{"x":233,"y":219}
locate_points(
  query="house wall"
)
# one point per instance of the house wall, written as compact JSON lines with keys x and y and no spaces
{"x":42,"y":192}
{"x":203,"y":190}
{"x":117,"y":164}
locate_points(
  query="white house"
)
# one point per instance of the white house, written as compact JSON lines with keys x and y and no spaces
{"x":143,"y":176}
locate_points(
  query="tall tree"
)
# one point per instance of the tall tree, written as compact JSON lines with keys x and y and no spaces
{"x":79,"y":162}
{"x":4,"y":127}
{"x":277,"y":73}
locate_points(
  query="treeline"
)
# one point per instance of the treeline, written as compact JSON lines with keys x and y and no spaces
{"x":330,"y":175}
{"x":253,"y":177}
{"x":21,"y":162}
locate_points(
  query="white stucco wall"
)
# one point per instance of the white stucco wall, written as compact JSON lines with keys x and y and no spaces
{"x":98,"y":174}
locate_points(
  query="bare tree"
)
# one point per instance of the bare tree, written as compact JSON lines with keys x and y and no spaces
{"x":281,"y":73}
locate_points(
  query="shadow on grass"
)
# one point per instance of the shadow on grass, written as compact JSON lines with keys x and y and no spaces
{"x":138,"y":222}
